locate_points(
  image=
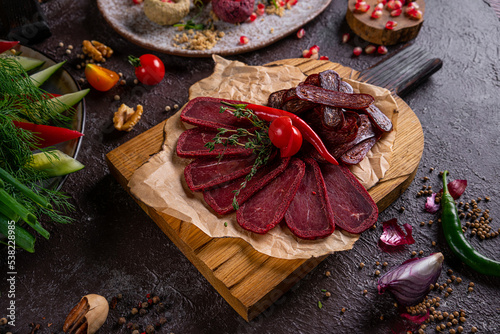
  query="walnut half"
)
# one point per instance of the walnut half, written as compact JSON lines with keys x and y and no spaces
{"x":125,"y":118}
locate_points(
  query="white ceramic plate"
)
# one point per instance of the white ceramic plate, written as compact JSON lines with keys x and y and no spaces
{"x":130,"y":21}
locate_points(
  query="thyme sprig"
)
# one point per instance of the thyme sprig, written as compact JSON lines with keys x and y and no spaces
{"x":256,"y":140}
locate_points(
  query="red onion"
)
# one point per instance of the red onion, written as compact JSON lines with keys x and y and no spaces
{"x":393,"y":234}
{"x":409,"y":282}
{"x":431,"y":205}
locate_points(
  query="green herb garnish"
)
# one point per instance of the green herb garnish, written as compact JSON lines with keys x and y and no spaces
{"x":320,"y":304}
{"x":21,"y":195}
{"x":258,"y":141}
{"x":190,"y":24}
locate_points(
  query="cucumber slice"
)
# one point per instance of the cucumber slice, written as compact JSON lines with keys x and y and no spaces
{"x":40,"y":77}
{"x":27,"y":63}
{"x":55,"y":163}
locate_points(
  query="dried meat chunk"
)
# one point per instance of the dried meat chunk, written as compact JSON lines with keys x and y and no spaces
{"x":379,"y":119}
{"x":205,"y":112}
{"x":333,"y":118}
{"x":332,"y":98}
{"x":298,"y":106}
{"x":277,"y":99}
{"x":354,"y":209}
{"x":208,"y":172}
{"x":310,"y":214}
{"x":220,"y":198}
{"x":365,"y":131}
{"x":329,"y":79}
{"x":191,"y":144}
{"x":312,"y":79}
{"x":267,"y":207}
{"x":358,"y":152}
{"x":346,"y":88}
{"x":332,"y":138}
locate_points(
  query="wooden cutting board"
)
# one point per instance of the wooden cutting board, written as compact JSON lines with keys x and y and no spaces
{"x":250,"y":281}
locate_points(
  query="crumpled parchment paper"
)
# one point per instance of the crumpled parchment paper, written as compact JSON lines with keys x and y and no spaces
{"x":160,"y":182}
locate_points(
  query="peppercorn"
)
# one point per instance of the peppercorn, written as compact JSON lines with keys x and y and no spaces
{"x":328,"y":274}
{"x":377,"y":272}
{"x":473,"y":329}
{"x":150,"y":329}
{"x":144,"y":304}
{"x":385,"y":264}
{"x":163,"y":321}
{"x":143,"y":312}
{"x":134,"y":311}
{"x":135,"y":332}
{"x":342,"y":310}
{"x":413,"y":253}
{"x":327,"y":294}
{"x":122,"y":321}
{"x":460,"y":329}
{"x":452,"y":331}
{"x":462,"y":319}
{"x":156,"y":299}
{"x":361,"y":265}
{"x":365,"y":291}
{"x":3,"y":321}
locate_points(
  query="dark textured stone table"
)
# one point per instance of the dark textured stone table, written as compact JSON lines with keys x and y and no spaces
{"x":114,"y":248}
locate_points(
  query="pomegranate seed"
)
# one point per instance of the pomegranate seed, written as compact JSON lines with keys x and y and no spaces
{"x":394,"y":4}
{"x":252,"y":17}
{"x":306,"y":54}
{"x":148,"y":296}
{"x":396,"y":12}
{"x":383,"y":2}
{"x":382,"y":50}
{"x":414,"y":14}
{"x":346,"y":37}
{"x":380,"y":6}
{"x":292,"y":2}
{"x":261,"y":9}
{"x":376,"y":14}
{"x":301,"y":33}
{"x":137,"y":2}
{"x":324,"y":58}
{"x":244,"y":40}
{"x":390,"y":25}
{"x":370,"y":49}
{"x":150,"y":301}
{"x":413,"y":5}
{"x":314,"y":49}
{"x":357,"y":51}
{"x":361,"y":7}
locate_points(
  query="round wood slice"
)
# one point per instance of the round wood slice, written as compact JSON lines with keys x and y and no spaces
{"x":373,"y":30}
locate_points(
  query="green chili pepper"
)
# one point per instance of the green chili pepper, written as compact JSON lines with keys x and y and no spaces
{"x":452,"y":229}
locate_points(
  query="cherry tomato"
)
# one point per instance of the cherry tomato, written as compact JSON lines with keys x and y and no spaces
{"x":149,"y":69}
{"x":294,"y":144}
{"x":285,"y":136}
{"x":100,"y":78}
{"x":280,"y":131}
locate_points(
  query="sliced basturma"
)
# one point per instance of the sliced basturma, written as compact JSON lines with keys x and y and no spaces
{"x":310,"y":214}
{"x":333,"y":118}
{"x":267,"y":207}
{"x":365,"y":131}
{"x":191,"y":144}
{"x":333,"y":99}
{"x":205,"y":112}
{"x":208,"y":172}
{"x":354,"y":209}
{"x":379,"y":119}
{"x":220,"y":198}
{"x":277,"y":99}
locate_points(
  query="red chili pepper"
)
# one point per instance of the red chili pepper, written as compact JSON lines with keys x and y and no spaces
{"x":270,"y":114}
{"x":6,"y":45}
{"x":48,"y":135}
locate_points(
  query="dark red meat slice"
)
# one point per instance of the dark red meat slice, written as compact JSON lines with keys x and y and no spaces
{"x":333,"y":99}
{"x":205,"y":173}
{"x":297,"y":106}
{"x":379,"y":119}
{"x":191,"y":144}
{"x":333,"y":118}
{"x":205,"y":112}
{"x":312,"y":79}
{"x":277,"y":99}
{"x":332,"y":138}
{"x":358,"y":152}
{"x":365,"y":131}
{"x":354,"y":209}
{"x":267,"y":207}
{"x":346,"y":88}
{"x":310,"y":214}
{"x":220,"y":198}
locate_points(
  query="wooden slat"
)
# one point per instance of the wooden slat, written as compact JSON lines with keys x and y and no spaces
{"x":250,"y":281}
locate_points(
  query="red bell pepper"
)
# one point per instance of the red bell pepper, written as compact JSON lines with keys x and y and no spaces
{"x":270,"y":114}
{"x":7,"y":45}
{"x":47,"y":135}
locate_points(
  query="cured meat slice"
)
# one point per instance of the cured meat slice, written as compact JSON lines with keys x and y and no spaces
{"x":276,"y":99}
{"x":312,"y":79}
{"x":358,"y":152}
{"x":332,"y":98}
{"x":191,"y":144}
{"x":379,"y":119}
{"x":346,"y":88}
{"x":267,"y":207}
{"x":205,"y":112}
{"x":332,"y":138}
{"x":310,"y":214}
{"x":297,"y":106}
{"x":205,"y":173}
{"x":354,"y":209}
{"x":220,"y":198}
{"x":365,"y":131}
{"x":333,"y":118}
